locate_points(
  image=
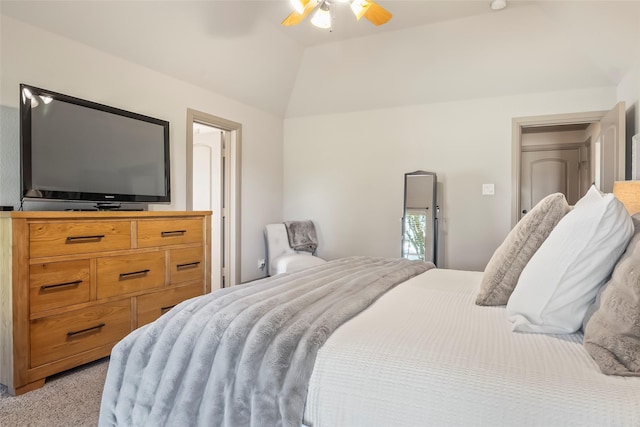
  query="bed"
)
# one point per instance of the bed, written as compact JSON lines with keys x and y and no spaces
{"x":407,"y":362}
{"x":414,"y":346}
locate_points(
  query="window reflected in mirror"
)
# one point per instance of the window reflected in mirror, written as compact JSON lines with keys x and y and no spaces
{"x":415,"y":225}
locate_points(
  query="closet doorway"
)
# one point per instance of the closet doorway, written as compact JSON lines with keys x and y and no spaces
{"x":566,"y":153}
{"x":213,"y":183}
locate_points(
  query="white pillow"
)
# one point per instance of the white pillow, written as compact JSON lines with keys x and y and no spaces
{"x":563,"y":277}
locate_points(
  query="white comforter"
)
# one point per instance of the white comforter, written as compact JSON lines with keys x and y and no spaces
{"x":426,"y":355}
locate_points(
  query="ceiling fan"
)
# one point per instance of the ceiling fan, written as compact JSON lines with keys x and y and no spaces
{"x":375,"y":13}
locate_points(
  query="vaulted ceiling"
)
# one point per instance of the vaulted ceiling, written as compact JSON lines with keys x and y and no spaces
{"x":431,"y":51}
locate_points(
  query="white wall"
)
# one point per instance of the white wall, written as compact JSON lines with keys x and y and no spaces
{"x":345,"y":171}
{"x":629,"y":86}
{"x":33,"y":56}
{"x":629,"y":91}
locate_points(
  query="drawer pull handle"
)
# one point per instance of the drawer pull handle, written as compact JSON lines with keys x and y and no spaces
{"x":173,"y":233}
{"x":187,"y":265}
{"x":60,"y":285}
{"x":163,"y":310}
{"x":134,"y":273}
{"x":84,"y":239}
{"x":82,"y":331}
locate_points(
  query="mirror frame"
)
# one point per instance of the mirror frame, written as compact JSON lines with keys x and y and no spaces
{"x":434,"y":217}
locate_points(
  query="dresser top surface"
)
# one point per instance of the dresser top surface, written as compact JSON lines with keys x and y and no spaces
{"x":99,"y":214}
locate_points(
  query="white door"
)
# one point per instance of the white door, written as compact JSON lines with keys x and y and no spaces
{"x":549,"y":171}
{"x":207,"y":194}
{"x":612,"y":146}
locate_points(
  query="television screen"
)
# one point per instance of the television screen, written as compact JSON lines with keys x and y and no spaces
{"x":74,"y":149}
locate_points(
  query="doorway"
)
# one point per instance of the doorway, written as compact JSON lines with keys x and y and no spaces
{"x":555,"y":160}
{"x":566,"y":153}
{"x":213,"y":183}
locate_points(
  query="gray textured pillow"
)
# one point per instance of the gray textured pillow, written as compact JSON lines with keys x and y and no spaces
{"x":504,"y":268}
{"x":612,"y":334}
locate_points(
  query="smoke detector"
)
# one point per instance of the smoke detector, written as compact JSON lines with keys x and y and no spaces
{"x":498,"y":4}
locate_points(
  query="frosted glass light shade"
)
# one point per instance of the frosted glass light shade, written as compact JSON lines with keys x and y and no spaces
{"x":322,"y":17}
{"x":359,"y":7}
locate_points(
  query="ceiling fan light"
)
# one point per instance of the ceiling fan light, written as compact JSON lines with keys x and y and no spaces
{"x":359,"y":7}
{"x":322,"y":17}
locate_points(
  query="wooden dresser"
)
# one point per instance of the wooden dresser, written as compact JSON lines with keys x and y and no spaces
{"x":72,"y":284}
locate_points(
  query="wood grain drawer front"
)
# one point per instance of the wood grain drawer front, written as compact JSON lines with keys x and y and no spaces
{"x":186,"y":265}
{"x":66,"y":238}
{"x":153,"y":233}
{"x":56,"y":337}
{"x":152,"y":306}
{"x":120,"y":275}
{"x":58,"y":284}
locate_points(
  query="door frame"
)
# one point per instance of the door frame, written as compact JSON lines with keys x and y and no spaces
{"x":518,"y":123}
{"x":235,"y":165}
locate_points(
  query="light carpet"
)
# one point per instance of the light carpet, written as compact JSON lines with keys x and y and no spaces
{"x":71,"y":398}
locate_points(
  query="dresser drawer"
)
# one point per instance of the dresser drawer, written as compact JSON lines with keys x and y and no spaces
{"x":58,"y":284}
{"x":152,"y":306}
{"x":169,"y":232}
{"x":56,"y":337}
{"x":119,"y":275}
{"x":186,"y":265}
{"x":65,"y":238}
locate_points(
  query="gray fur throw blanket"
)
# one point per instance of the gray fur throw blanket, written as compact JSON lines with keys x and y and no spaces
{"x":241,"y":356}
{"x":302,"y":235}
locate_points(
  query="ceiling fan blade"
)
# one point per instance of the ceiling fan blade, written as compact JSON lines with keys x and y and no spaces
{"x":377,"y":14}
{"x":295,"y":18}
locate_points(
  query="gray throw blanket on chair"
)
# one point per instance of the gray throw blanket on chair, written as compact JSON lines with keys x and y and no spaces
{"x":302,"y":235}
{"x":241,"y":356}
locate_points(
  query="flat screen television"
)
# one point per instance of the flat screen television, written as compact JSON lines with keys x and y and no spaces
{"x":77,"y":150}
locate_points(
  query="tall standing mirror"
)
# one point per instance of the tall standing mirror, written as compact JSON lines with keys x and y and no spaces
{"x":419,"y":218}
